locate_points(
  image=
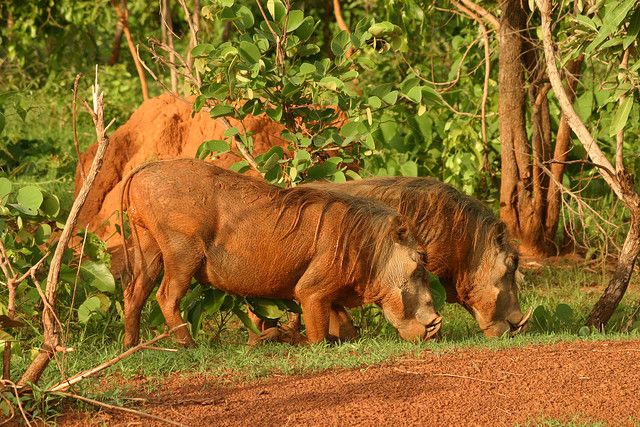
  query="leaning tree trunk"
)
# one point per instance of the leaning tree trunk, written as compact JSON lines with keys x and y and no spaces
{"x":620,"y":181}
{"x":606,"y":305}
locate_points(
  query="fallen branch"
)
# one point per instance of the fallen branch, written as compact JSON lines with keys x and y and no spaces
{"x":118,"y":408}
{"x":63,"y":385}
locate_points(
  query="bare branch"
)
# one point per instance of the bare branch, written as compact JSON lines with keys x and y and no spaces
{"x":51,"y":332}
{"x":193,"y":29}
{"x":581,"y":131}
{"x":120,"y":7}
{"x":485,"y":14}
{"x":242,"y":149}
{"x":624,"y":64}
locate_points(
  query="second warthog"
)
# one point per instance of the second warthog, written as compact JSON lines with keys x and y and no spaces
{"x":468,"y":246}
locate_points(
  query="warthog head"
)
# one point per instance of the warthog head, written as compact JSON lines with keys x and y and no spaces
{"x":407,"y":303}
{"x":490,"y":291}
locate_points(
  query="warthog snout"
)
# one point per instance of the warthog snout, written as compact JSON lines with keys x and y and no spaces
{"x":416,"y":330}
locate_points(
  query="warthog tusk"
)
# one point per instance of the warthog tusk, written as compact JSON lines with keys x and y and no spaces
{"x":433,"y":328}
{"x":525,"y":318}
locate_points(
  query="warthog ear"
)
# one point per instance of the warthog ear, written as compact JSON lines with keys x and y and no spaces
{"x":401,"y":231}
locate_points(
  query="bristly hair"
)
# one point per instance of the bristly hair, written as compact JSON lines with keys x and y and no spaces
{"x":438,"y":211}
{"x":364,"y":241}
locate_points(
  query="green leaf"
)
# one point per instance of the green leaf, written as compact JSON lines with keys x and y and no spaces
{"x":632,"y":31}
{"x":374,"y":102}
{"x":249,"y":52}
{"x":266,"y":308}
{"x":245,"y":17}
{"x":308,"y":50}
{"x":415,"y":94}
{"x":409,"y":168}
{"x":611,"y":21}
{"x":5,"y":190}
{"x":42,"y":233}
{"x":276,"y":9}
{"x":215,"y":90}
{"x":275,"y":113}
{"x":584,"y":331}
{"x":621,"y":116}
{"x":306,"y":68}
{"x":203,"y":49}
{"x":584,"y":105}
{"x":30,"y":198}
{"x":438,"y":293}
{"x":213,"y":300}
{"x":214,"y":146}
{"x":2,"y":122}
{"x":244,"y":318}
{"x":50,"y":205}
{"x":391,"y":97}
{"x":294,"y":20}
{"x":564,"y":313}
{"x":383,"y":28}
{"x":98,"y":276}
{"x":339,"y":43}
{"x":221,"y":110}
{"x":90,"y":306}
{"x":240,"y":167}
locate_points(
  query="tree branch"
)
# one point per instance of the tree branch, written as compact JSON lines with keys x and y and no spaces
{"x":581,"y":131}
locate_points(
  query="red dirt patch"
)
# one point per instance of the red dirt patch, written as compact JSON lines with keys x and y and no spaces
{"x":583,"y":381}
{"x":160,"y":128}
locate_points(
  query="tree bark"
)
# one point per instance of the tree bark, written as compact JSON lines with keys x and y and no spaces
{"x":560,"y":154}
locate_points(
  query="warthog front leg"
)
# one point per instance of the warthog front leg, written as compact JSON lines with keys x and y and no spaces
{"x":315,"y":311}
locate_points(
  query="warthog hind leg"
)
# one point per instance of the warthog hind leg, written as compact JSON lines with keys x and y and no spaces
{"x":147,"y":263}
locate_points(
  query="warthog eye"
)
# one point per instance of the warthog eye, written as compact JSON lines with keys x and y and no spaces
{"x":511,"y":262}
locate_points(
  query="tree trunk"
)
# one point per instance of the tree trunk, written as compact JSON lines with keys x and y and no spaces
{"x":517,"y":208}
{"x":530,"y":200}
{"x":117,"y":41}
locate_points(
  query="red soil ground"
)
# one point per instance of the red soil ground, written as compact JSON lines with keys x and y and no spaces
{"x":571,"y":381}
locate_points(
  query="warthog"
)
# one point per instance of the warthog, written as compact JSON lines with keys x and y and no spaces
{"x":244,"y":236}
{"x":467,"y":245}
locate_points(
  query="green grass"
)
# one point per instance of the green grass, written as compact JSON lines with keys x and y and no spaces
{"x":229,"y":355}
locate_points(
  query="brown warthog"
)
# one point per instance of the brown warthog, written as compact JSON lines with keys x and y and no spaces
{"x":247,"y":237}
{"x":467,"y":245}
